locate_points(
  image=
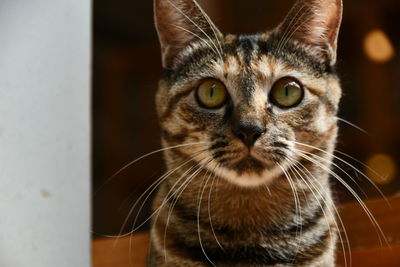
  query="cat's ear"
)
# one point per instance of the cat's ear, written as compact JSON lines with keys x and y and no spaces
{"x":315,"y":24}
{"x":178,"y":23}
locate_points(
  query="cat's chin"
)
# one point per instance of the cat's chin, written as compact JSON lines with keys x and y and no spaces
{"x":249,"y":172}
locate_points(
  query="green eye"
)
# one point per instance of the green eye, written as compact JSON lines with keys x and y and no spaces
{"x":286,"y":93}
{"x":211,"y":93}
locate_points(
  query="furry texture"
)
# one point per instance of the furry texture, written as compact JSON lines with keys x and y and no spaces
{"x":227,"y":204}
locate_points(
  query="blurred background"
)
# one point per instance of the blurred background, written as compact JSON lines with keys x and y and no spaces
{"x":127,"y":68}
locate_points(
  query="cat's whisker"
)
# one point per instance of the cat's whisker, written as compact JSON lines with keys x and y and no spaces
{"x":376,"y":225}
{"x":200,"y":197}
{"x":135,"y":220}
{"x":209,"y":210}
{"x":158,"y":209}
{"x":196,"y":25}
{"x":152,"y":188}
{"x":213,"y":100}
{"x":268,"y":190}
{"x":342,"y":226}
{"x":323,"y":198}
{"x":158,"y":181}
{"x":298,"y":217}
{"x":352,"y":124}
{"x":178,"y":193}
{"x":294,"y":168}
{"x":348,"y":164}
{"x":143,"y":157}
{"x":335,"y":165}
{"x":360,"y":172}
{"x":172,"y":193}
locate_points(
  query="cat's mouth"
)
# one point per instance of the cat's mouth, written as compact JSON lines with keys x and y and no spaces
{"x":249,"y":170}
{"x":249,"y":164}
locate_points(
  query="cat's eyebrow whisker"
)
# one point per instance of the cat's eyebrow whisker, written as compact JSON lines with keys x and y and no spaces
{"x":352,"y":124}
{"x":289,"y":27}
{"x":212,"y":26}
{"x":376,"y":225}
{"x":196,"y":25}
{"x":143,"y":157}
{"x":350,"y":165}
{"x":293,"y":31}
{"x":206,"y":42}
{"x":317,"y":190}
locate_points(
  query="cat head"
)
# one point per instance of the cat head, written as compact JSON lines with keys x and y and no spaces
{"x":248,"y":103}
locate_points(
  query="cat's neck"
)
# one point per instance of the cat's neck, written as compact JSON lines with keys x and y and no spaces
{"x":238,"y":208}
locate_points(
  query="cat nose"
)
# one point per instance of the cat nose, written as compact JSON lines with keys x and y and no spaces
{"x":248,"y":133}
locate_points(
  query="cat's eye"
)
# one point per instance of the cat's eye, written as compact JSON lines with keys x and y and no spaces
{"x":286,"y":93}
{"x":212,"y":93}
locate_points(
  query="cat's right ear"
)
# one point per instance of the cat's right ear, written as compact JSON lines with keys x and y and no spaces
{"x":314,"y":24}
{"x":179,"y":23}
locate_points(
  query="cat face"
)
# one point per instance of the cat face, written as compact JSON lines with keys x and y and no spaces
{"x":248,"y":102}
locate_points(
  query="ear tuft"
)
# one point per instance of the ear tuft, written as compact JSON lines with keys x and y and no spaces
{"x":179,"y":23}
{"x":315,"y":24}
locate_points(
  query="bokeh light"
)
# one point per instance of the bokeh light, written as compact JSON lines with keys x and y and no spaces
{"x":381,"y":168}
{"x":378,"y":47}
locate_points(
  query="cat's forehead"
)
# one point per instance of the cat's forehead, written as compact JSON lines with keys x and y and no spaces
{"x":247,"y":61}
{"x":265,"y":52}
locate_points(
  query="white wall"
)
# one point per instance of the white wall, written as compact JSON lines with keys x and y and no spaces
{"x":44,"y":133}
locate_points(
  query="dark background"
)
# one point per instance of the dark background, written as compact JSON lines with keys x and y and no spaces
{"x":127,"y":68}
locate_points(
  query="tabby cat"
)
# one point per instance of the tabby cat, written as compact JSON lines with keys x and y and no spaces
{"x":249,"y":127}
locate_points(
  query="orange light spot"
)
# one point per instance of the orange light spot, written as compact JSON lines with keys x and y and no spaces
{"x":382,"y":168}
{"x":378,"y":47}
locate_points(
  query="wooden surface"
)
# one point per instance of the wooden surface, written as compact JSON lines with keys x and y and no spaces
{"x":116,"y":253}
{"x":367,"y":251}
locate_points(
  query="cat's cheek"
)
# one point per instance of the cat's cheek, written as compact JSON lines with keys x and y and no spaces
{"x":323,"y":121}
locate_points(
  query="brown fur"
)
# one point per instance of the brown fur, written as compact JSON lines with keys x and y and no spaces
{"x":255,"y":202}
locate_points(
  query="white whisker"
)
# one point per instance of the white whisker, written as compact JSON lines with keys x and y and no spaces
{"x":177,"y":194}
{"x":353,"y":125}
{"x":196,"y":25}
{"x":145,"y":156}
{"x":376,"y":225}
{"x":348,"y":164}
{"x":202,"y":189}
{"x":321,"y":196}
{"x":212,"y":26}
{"x":209,"y":212}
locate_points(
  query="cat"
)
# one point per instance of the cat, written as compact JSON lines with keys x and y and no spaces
{"x":249,"y":127}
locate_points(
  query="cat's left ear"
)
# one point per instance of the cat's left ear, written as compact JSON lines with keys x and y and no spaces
{"x":180,"y":23}
{"x":315,"y":24}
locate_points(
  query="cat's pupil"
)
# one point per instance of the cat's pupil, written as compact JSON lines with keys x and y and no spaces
{"x":287,"y":90}
{"x":212,"y":90}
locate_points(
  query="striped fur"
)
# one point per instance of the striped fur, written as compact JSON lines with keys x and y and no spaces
{"x":224,"y":204}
